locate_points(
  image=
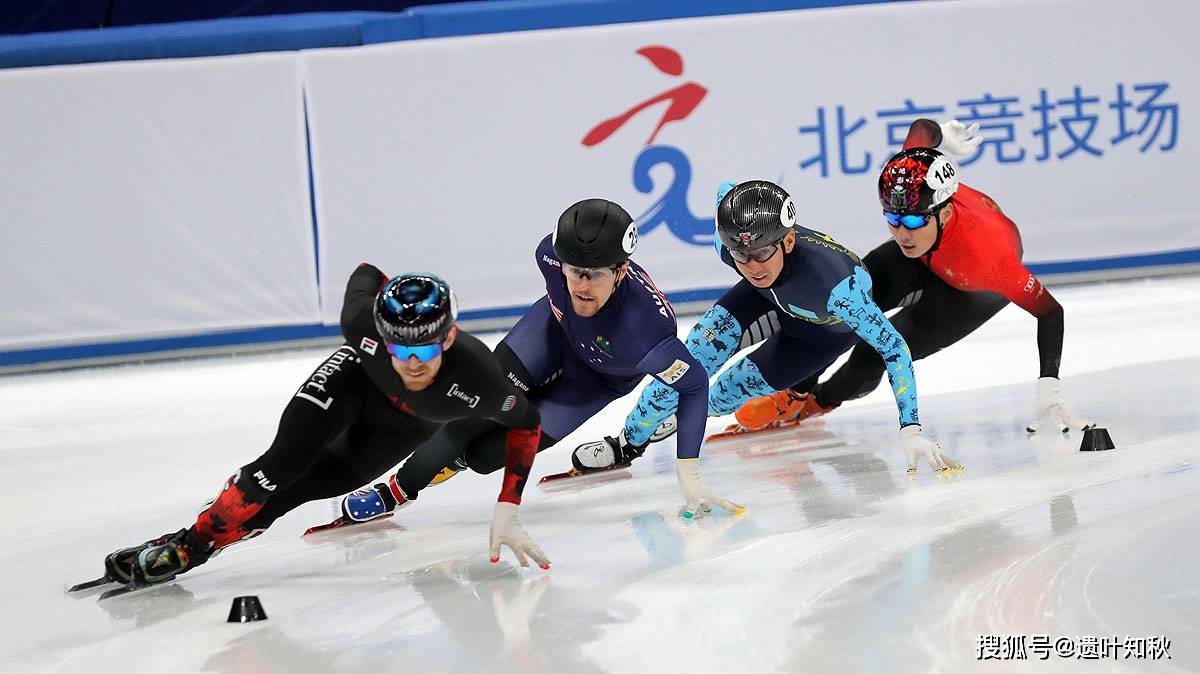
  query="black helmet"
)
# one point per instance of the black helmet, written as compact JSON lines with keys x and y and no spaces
{"x":916,"y":181}
{"x":754,"y":214}
{"x":594,"y":233}
{"x":415,"y":308}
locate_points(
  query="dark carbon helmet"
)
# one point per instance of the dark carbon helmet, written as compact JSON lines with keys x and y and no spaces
{"x":416,"y":308}
{"x":594,"y":233}
{"x":917,"y":181}
{"x":754,"y":214}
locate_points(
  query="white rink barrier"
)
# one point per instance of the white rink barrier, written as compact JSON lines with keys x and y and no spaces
{"x":148,"y":200}
{"x":159,"y":205}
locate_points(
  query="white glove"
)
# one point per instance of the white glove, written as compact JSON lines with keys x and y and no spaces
{"x":915,"y":444}
{"x":698,"y":496}
{"x":507,"y":530}
{"x":1049,"y":408}
{"x":958,"y":139}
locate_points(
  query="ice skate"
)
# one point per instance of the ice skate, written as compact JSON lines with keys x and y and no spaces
{"x":367,"y":505}
{"x":177,"y":554}
{"x":778,"y":411}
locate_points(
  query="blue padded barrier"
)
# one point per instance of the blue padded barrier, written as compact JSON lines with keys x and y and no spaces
{"x":475,"y":18}
{"x":241,"y":35}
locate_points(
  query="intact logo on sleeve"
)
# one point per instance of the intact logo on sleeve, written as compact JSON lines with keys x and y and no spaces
{"x":675,"y":372}
{"x":456,"y":392}
{"x":369,"y":345}
{"x":314,"y":390}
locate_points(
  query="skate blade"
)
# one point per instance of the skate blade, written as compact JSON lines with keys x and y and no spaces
{"x":574,"y":477}
{"x":87,"y":585}
{"x":343,"y":522}
{"x":739,"y":431}
{"x":130,"y":588}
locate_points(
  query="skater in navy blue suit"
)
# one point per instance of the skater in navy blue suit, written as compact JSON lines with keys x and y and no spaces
{"x":599,"y":330}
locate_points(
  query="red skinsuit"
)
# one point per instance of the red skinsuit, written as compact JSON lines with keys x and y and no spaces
{"x":980,"y":248}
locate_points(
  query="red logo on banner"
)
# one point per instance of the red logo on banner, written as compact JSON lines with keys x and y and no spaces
{"x":683,"y":98}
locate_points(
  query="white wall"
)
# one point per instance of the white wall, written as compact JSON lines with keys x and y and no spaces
{"x":146,"y":199}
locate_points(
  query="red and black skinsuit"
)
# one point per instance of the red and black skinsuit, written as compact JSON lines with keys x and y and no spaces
{"x":353,"y":420}
{"x":972,"y":271}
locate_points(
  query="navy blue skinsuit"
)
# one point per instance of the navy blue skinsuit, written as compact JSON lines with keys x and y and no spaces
{"x":572,"y":367}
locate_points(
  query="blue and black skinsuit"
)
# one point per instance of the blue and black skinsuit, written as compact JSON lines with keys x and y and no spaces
{"x":572,"y":366}
{"x":819,"y":307}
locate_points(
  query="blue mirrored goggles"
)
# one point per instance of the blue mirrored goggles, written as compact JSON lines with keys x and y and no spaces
{"x":908,"y":220}
{"x":423,"y":352}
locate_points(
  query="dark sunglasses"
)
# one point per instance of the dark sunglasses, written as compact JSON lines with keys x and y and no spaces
{"x":423,"y":352}
{"x":906,"y":220}
{"x":761,"y":254}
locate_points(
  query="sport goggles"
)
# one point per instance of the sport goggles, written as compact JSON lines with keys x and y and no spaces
{"x":761,"y":254}
{"x":423,"y":352}
{"x":908,"y":221}
{"x":591,"y":273}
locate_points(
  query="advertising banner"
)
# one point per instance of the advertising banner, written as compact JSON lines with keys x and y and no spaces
{"x":457,"y":155}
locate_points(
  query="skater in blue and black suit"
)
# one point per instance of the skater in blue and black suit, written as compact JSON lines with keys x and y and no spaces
{"x":802,"y":294}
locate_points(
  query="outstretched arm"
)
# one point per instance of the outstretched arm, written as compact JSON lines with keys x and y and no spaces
{"x":675,"y":369}
{"x":507,"y":405}
{"x":711,"y":342}
{"x":952,"y":137}
{"x":689,"y":382}
{"x":851,"y":301}
{"x":1026,"y":291}
{"x":520,"y":447}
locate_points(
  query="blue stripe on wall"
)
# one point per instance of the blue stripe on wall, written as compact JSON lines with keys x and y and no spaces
{"x":312,"y":193}
{"x":143,"y":346}
{"x":285,"y":334}
{"x":1190,"y":256}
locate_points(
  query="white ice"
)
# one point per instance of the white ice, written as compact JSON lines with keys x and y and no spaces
{"x":841,"y":564}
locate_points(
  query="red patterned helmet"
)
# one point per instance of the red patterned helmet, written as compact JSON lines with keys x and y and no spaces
{"x":917,"y":181}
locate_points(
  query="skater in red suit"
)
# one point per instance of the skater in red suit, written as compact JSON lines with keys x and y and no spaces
{"x":954,"y":261}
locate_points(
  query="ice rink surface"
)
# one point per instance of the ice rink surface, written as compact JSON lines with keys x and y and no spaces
{"x":840,"y":565}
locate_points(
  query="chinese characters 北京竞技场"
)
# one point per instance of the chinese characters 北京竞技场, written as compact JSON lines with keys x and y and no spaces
{"x":1056,"y":127}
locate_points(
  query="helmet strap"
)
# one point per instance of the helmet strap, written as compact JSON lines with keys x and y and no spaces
{"x":622,"y":272}
{"x":937,"y":216}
